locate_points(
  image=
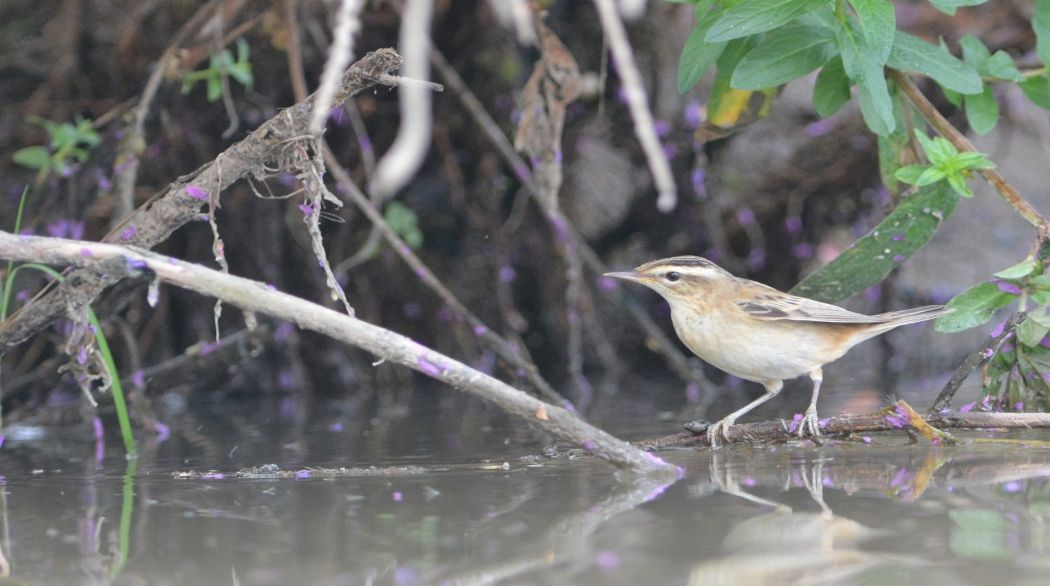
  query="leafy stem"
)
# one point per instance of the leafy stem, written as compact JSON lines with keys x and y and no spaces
{"x":939,"y":123}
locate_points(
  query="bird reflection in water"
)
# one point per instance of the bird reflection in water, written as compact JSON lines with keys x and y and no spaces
{"x":789,"y":547}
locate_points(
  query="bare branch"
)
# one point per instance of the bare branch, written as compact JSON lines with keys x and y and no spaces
{"x":405,"y":156}
{"x":257,"y":297}
{"x":634,"y":94}
{"x":347,"y":24}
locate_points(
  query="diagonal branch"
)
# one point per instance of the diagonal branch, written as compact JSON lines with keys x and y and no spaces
{"x":257,"y":297}
{"x":945,"y":129}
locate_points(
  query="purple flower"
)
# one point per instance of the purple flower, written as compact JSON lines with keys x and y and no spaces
{"x":745,"y":216}
{"x":998,"y":330}
{"x":427,"y":367}
{"x":820,"y":127}
{"x":803,"y":250}
{"x":1007,"y":287}
{"x":128,"y":232}
{"x":196,"y":193}
{"x":283,"y":332}
{"x":507,"y":274}
{"x":693,"y":114}
{"x":699,"y":188}
{"x":480,"y":330}
{"x":608,"y":560}
{"x":967,"y":407}
{"x":899,"y":258}
{"x":793,"y":224}
{"x":898,"y":237}
{"x":397,"y":496}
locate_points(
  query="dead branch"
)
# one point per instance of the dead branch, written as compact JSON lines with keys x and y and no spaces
{"x":119,"y":262}
{"x":780,"y":430}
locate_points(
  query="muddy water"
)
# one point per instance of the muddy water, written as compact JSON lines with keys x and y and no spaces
{"x":250,"y":499}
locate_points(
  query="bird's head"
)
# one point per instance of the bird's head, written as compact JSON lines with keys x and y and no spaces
{"x":677,"y":278}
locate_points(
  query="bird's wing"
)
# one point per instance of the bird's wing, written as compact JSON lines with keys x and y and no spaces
{"x":773,"y":305}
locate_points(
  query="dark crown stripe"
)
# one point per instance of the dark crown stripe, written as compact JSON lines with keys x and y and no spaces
{"x":678,"y":262}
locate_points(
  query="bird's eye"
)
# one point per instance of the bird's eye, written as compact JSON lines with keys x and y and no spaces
{"x":673,"y":276}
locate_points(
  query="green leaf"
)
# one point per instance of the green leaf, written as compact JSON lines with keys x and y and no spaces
{"x":954,"y":98}
{"x":950,"y":6}
{"x":856,"y":57}
{"x":913,"y":54}
{"x":973,"y":307}
{"x":898,"y":236}
{"x":404,"y":221}
{"x":895,"y":148}
{"x":214,"y":85}
{"x":1034,"y":328}
{"x":875,"y":103}
{"x":1018,"y":271}
{"x":1037,"y":89}
{"x":698,"y":55}
{"x":975,"y":54}
{"x":1039,"y":287}
{"x":938,"y":150}
{"x":910,"y":173}
{"x":758,"y":16}
{"x":726,"y":106}
{"x":982,"y":110}
{"x":1041,"y":26}
{"x":970,"y":160}
{"x":783,"y":55}
{"x":879,"y":24}
{"x":1001,"y":65}
{"x":34,"y":157}
{"x":958,"y":183}
{"x":929,"y":176}
{"x":831,"y":90}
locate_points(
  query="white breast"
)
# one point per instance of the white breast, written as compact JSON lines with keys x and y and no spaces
{"x":754,"y":350}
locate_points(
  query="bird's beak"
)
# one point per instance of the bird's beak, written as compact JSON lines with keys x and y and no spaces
{"x":627,"y":275}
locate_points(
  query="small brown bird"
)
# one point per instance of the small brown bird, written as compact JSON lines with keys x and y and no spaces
{"x":757,"y":333}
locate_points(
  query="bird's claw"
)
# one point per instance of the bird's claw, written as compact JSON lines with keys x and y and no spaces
{"x":718,"y":430}
{"x":810,"y":425}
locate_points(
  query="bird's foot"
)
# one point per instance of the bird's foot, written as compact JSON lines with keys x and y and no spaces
{"x":719,"y":432}
{"x":810,"y":425}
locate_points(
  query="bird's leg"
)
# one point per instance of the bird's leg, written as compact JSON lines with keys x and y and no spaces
{"x":810,"y":422}
{"x":719,"y":429}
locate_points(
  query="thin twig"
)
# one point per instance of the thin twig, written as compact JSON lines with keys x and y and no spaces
{"x":347,"y":23}
{"x":945,"y":129}
{"x":944,"y":399}
{"x":406,"y":154}
{"x":134,"y":142}
{"x":258,"y":297}
{"x":685,"y":368}
{"x":638,"y":103}
{"x":503,"y":348}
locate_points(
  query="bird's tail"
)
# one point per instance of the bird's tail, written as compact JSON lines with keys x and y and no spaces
{"x":894,"y":319}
